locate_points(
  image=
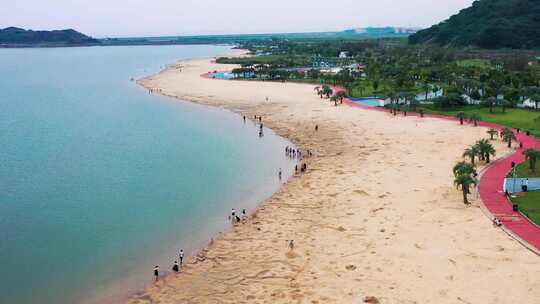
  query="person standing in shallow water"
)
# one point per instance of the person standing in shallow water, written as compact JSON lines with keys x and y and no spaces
{"x":233,"y":215}
{"x":279,"y":174}
{"x":156,"y":272}
{"x":181,"y":256}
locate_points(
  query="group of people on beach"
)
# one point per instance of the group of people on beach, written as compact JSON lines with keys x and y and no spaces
{"x":176,"y":266}
{"x":235,"y":218}
{"x":297,"y":153}
{"x":255,"y":119}
{"x":152,"y":90}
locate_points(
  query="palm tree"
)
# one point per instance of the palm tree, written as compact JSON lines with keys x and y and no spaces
{"x":340,"y":95}
{"x":465,"y":182}
{"x":492,"y":132}
{"x":532,"y":155}
{"x":464,"y":177}
{"x":504,"y":104}
{"x":507,"y":135}
{"x":486,"y":149}
{"x":474,"y":118}
{"x":318,"y":90}
{"x":471,"y":152}
{"x":491,"y":101}
{"x":334,"y":98}
{"x":326,"y":90}
{"x":463,"y":168}
{"x":461,"y":116}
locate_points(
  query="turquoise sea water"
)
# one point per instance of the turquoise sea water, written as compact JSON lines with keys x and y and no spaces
{"x":100,"y":180}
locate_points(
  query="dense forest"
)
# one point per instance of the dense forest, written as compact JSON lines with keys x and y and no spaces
{"x":490,"y":24}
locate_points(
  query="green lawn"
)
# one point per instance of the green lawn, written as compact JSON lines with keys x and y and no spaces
{"x":365,"y":88}
{"x":474,"y":63}
{"x":529,"y":204}
{"x":515,"y":118}
{"x":523,"y":170}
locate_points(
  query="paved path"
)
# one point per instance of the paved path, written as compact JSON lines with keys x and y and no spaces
{"x":492,"y":181}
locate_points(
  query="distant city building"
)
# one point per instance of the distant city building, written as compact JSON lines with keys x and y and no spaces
{"x":385,"y":30}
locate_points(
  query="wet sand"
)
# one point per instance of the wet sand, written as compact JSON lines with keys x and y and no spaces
{"x":376,"y":214}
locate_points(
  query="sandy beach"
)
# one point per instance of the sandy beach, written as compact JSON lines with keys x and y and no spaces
{"x":375,"y":215}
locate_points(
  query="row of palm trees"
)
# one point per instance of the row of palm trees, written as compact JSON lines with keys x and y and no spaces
{"x":327,"y":91}
{"x":473,"y":117}
{"x":465,"y":172}
{"x":483,"y":150}
{"x":324,"y":90}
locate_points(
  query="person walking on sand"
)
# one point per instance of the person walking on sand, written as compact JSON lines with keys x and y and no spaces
{"x":244,"y":214}
{"x":291,"y":245}
{"x":181,"y":256}
{"x":156,"y":272}
{"x":316,"y":128}
{"x":175,"y":267}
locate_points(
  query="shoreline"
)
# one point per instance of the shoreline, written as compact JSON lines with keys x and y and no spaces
{"x":168,"y":81}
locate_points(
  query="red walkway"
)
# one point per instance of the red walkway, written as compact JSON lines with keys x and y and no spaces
{"x":492,"y":181}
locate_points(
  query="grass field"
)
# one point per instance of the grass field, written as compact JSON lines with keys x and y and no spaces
{"x":523,"y":170}
{"x":474,"y":63}
{"x":515,"y":118}
{"x":529,"y":204}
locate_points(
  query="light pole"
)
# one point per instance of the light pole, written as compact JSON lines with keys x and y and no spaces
{"x":514,"y":179}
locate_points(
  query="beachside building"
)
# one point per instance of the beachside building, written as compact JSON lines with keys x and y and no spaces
{"x":527,"y":103}
{"x":330,"y":70}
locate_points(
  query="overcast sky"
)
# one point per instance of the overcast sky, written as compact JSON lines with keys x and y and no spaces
{"x":103,"y":18}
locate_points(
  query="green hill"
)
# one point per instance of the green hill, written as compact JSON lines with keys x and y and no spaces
{"x":13,"y":36}
{"x":490,"y":24}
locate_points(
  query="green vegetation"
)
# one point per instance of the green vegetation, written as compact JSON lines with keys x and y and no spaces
{"x":529,"y":204}
{"x":515,"y":118}
{"x":524,"y":170}
{"x":464,"y":178}
{"x":18,"y":36}
{"x":477,"y":84}
{"x":488,"y":24}
{"x":276,"y":60}
{"x":474,"y":63}
{"x":530,"y":167}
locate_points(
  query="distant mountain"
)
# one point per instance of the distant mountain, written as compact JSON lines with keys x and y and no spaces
{"x":13,"y":36}
{"x":488,"y":24}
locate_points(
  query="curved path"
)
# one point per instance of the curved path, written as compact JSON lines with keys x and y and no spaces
{"x":491,"y":185}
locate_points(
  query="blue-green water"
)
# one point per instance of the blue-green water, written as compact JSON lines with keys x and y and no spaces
{"x":100,"y":180}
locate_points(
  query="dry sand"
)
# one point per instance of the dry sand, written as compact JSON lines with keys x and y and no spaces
{"x":375,"y":215}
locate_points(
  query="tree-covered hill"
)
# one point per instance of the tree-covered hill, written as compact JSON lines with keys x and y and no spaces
{"x":488,"y":24}
{"x":13,"y":36}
